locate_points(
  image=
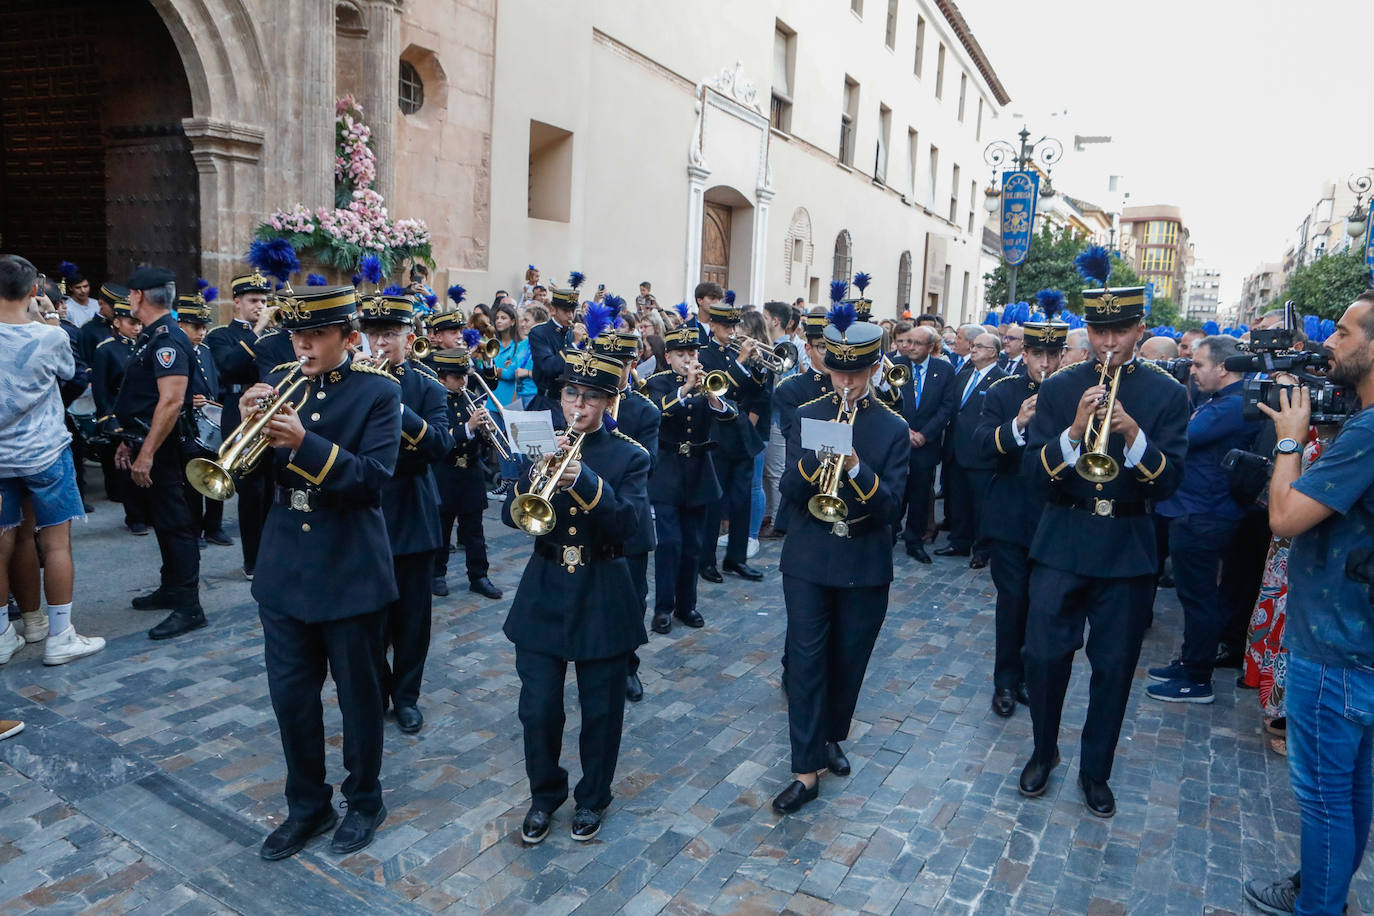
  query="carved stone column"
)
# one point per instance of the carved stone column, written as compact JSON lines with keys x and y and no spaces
{"x":228,"y":156}
{"x":758,"y":256}
{"x":696,"y":207}
{"x":381,"y":74}
{"x":300,"y":167}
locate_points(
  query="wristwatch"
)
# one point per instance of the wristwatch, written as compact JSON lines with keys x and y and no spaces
{"x":1287,"y":446}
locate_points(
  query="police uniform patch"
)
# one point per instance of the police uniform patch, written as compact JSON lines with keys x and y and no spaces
{"x":166,"y":356}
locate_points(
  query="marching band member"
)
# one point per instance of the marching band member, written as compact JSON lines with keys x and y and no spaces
{"x":796,"y":390}
{"x":576,"y":600}
{"x":107,"y":375}
{"x":684,"y":481}
{"x":863,"y":311}
{"x":1014,"y":502}
{"x":462,"y":485}
{"x":409,"y":502}
{"x":322,"y":585}
{"x":194,"y":316}
{"x":548,"y":342}
{"x":835,"y":576}
{"x":1094,"y":548}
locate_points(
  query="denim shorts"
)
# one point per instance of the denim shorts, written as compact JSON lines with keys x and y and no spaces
{"x":51,"y":492}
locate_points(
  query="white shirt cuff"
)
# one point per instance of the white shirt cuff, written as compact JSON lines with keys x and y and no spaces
{"x":1070,"y":450}
{"x":853,"y":472}
{"x":1018,"y":434}
{"x":1136,"y":450}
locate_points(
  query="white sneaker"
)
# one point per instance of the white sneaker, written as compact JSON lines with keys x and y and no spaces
{"x":753,"y":549}
{"x":70,"y":645}
{"x":35,"y":626}
{"x":10,"y":643}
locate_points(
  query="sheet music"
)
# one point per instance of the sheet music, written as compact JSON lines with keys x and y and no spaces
{"x":531,"y":431}
{"x":827,"y":435}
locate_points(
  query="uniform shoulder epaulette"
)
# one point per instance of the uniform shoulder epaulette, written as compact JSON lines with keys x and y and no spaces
{"x":423,"y":369}
{"x":1005,"y":378}
{"x":284,"y":366}
{"x":823,"y":397}
{"x":659,"y":373}
{"x":103,"y":342}
{"x":637,"y":393}
{"x":372,"y":370}
{"x":268,"y":333}
{"x":798,"y":378}
{"x":618,"y":434}
{"x":888,"y":407}
{"x":1062,"y":369}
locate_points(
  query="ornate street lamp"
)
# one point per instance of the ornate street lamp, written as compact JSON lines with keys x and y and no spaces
{"x":999,"y":154}
{"x":1358,"y":220}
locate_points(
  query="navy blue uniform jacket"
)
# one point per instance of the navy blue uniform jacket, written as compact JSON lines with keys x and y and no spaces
{"x":684,"y":473}
{"x":1014,"y":503}
{"x":410,"y":499}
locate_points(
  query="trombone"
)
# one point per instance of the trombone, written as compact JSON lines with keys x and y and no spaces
{"x":895,"y":375}
{"x":1095,"y":464}
{"x":533,"y":512}
{"x":827,"y":504}
{"x":495,"y":433}
{"x":780,"y":359}
{"x":246,"y":445}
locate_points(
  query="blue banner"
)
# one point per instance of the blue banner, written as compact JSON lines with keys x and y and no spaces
{"x":1369,"y":240}
{"x":1019,"y":191}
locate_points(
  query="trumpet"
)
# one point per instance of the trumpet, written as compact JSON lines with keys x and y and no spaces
{"x":246,"y":445}
{"x":533,"y":512}
{"x":1095,"y":464}
{"x":827,"y":504}
{"x":421,"y":348}
{"x":488,"y":348}
{"x":716,"y":384}
{"x":896,"y":376}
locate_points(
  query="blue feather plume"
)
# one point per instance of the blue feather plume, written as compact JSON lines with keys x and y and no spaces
{"x":431,"y":300}
{"x":729,"y":297}
{"x":472,"y":337}
{"x":201,"y":283}
{"x":457,"y":293}
{"x":575,"y":278}
{"x":1051,"y":302}
{"x":1311,"y":325}
{"x":599,"y":317}
{"x":838,"y":288}
{"x":991,"y":318}
{"x":68,"y":270}
{"x":617,"y":305}
{"x":1094,"y":264}
{"x":1022,"y":313}
{"x":1007,"y":311}
{"x":315,"y":280}
{"x":371,"y":268}
{"x":393,"y":290}
{"x":842,"y":315}
{"x":532,"y":267}
{"x":274,"y":257}
{"x":1328,"y":327}
{"x":211,"y":293}
{"x":861,"y":280}
{"x":357,"y":278}
{"x":682,"y":310}
{"x":1211,"y":327}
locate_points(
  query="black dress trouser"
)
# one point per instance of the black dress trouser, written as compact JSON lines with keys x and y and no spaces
{"x":601,"y":695}
{"x":472,"y":538}
{"x":298,"y":655}
{"x":679,"y":533}
{"x":1116,"y":612}
{"x":407,"y":629}
{"x":736,"y":479}
{"x":170,"y":517}
{"x":920,"y":485}
{"x":1010,"y":566}
{"x":255,"y":493}
{"x":830,"y":637}
{"x":639,"y":575}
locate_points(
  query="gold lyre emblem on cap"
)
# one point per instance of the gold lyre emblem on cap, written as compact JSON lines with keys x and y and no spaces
{"x":1108,"y":303}
{"x":257,"y":279}
{"x":579,"y":362}
{"x":290,"y":309}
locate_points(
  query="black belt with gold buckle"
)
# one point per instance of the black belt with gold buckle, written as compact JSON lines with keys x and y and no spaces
{"x":1102,"y":508}
{"x":572,"y":556}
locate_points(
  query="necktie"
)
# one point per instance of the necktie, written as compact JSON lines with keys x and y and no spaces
{"x":972,"y":384}
{"x":916,"y":380}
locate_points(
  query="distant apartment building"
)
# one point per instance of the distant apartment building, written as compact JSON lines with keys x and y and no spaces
{"x":1204,"y":294}
{"x":1160,"y":241}
{"x":1260,"y":288}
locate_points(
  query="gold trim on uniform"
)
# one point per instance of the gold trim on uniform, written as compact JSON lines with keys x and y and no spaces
{"x":324,"y":471}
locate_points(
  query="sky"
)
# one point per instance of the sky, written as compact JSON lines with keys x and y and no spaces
{"x":1236,"y":112}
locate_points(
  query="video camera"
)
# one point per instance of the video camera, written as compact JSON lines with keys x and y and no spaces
{"x":1180,"y":367}
{"x":1273,"y":351}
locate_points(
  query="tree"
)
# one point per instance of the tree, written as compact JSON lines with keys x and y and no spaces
{"x":1326,"y":286}
{"x":1163,"y":313}
{"x":1049,"y":265}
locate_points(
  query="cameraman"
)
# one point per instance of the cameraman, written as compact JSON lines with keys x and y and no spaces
{"x":1203,"y":519}
{"x":1330,"y":632}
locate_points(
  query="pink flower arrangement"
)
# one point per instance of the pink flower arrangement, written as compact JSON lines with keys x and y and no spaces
{"x":355,"y":164}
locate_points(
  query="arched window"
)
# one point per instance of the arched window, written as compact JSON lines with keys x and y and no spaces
{"x":411,"y":91}
{"x":904,"y":284}
{"x":844,"y":256}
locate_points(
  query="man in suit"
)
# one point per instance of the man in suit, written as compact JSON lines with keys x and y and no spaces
{"x":966,"y":474}
{"x":962,"y":349}
{"x":1013,"y":345}
{"x":549,"y":340}
{"x":928,"y":402}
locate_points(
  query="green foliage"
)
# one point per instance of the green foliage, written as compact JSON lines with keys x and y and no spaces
{"x":1049,"y":265}
{"x":1164,"y":313}
{"x":1326,"y":286}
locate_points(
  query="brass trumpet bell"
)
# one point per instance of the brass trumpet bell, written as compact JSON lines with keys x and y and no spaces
{"x":533,"y":514}
{"x":716,"y":383}
{"x":421,"y":348}
{"x":489,"y":348}
{"x":1095,"y":465}
{"x":209,"y":479}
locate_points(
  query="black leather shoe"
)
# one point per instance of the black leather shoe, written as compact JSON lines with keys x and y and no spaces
{"x":1097,"y":796}
{"x":219,"y":539}
{"x":690,"y":618}
{"x":1021,"y":696}
{"x":291,"y":837}
{"x":835,"y":758}
{"x":182,"y":620}
{"x":138,"y":528}
{"x":1035,"y":777}
{"x":357,"y":830}
{"x":200,"y":543}
{"x":743,"y":570}
{"x":711,"y":574}
{"x":1004,"y":702}
{"x":918,"y":554}
{"x":485,"y":588}
{"x":159,"y":600}
{"x":634,"y":688}
{"x":791,"y":799}
{"x":662,"y":623}
{"x":978,"y":562}
{"x":1228,"y":659}
{"x":409,"y":719}
{"x":536,"y":826}
{"x":586,"y":823}
{"x":439,"y":587}
{"x":951,"y":552}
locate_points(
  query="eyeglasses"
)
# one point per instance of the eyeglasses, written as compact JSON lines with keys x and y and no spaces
{"x":984,"y":347}
{"x":1012,"y":337}
{"x":573,"y":393}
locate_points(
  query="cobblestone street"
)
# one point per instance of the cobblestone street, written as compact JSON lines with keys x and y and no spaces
{"x":149,"y":774}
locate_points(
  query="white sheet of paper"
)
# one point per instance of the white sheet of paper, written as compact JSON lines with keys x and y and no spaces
{"x":531,"y":431}
{"x":819,"y":435}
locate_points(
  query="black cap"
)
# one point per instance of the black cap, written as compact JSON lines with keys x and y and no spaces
{"x":592,"y":370}
{"x":1117,"y":305}
{"x":857,"y":347}
{"x":150,"y":278}
{"x":317,"y":306}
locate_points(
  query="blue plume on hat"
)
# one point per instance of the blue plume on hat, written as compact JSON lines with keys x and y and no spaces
{"x":275,"y":257}
{"x":393,"y":290}
{"x":991,"y":318}
{"x":575,"y":278}
{"x":371,"y":268}
{"x":532,"y":267}
{"x":315,"y":280}
{"x":617,"y":305}
{"x":201,"y":283}
{"x":599,"y":317}
{"x":861,"y":281}
{"x":68,"y":270}
{"x":1094,"y":264}
{"x":1311,"y":326}
{"x":472,"y":337}
{"x":1051,"y":302}
{"x":842,"y":315}
{"x":211,"y":293}
{"x":1022,"y":312}
{"x":357,"y":278}
{"x":457,"y":293}
{"x":682,"y":310}
{"x":837,"y":290}
{"x":1211,"y":327}
{"x":1328,"y":327}
{"x":431,"y":300}
{"x":729,"y":297}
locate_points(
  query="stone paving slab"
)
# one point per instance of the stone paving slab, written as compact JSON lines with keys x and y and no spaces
{"x":149,"y":774}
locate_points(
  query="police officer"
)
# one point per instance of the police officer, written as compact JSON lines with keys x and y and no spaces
{"x":194,"y":316}
{"x":459,"y":476}
{"x":410,"y":501}
{"x":636,"y":417}
{"x":234,"y":349}
{"x":1014,"y":502}
{"x":795,"y":390}
{"x":684,"y":481}
{"x":548,"y":342}
{"x":576,"y":602}
{"x":155,"y":392}
{"x":835,"y":576}
{"x":322,"y":582}
{"x":107,"y":375}
{"x":1094,"y":548}
{"x":739,"y":441}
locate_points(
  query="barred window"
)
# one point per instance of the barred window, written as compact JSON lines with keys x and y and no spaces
{"x":411,"y":92}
